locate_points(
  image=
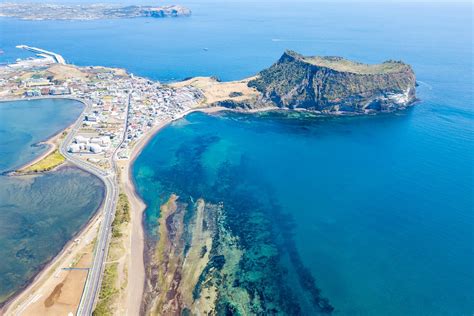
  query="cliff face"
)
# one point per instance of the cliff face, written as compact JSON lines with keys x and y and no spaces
{"x":333,"y":84}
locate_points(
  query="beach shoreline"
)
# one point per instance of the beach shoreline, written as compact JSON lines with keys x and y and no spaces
{"x":137,"y":276}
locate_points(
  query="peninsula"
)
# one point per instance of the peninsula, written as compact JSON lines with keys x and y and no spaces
{"x":323,"y":85}
{"x":121,"y":115}
{"x":45,"y":11}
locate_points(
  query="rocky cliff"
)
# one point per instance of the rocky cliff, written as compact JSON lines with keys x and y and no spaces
{"x":335,"y":85}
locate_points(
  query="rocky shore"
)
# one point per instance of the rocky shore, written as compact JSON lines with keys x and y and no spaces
{"x":327,"y":86}
{"x":335,"y":85}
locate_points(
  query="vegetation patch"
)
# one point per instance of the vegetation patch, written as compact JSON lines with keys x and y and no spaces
{"x":122,"y":215}
{"x":111,"y":286}
{"x":49,"y":162}
{"x":108,"y":291}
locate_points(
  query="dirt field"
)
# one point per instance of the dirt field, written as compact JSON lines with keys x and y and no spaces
{"x":215,"y":91}
{"x":57,"y":291}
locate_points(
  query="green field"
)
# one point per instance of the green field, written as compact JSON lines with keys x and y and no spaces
{"x":47,"y":163}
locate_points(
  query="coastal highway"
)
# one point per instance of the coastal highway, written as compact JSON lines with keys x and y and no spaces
{"x":94,"y":278}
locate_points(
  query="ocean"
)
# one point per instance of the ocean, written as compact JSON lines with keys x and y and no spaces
{"x":39,"y":214}
{"x":379,"y":209}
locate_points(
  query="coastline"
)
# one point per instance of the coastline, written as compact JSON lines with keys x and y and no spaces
{"x":47,"y":267}
{"x":136,"y":271}
{"x":137,"y":277}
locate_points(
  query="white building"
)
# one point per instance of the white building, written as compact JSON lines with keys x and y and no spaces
{"x":80,"y":139}
{"x":74,"y":148}
{"x":95,"y":148}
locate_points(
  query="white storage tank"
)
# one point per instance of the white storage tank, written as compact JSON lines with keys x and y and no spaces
{"x":95,"y":148}
{"x":74,"y":148}
{"x":80,"y":139}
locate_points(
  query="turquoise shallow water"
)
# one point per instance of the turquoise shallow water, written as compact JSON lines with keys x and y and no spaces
{"x":380,"y":233}
{"x":38,"y":214}
{"x":382,"y":207}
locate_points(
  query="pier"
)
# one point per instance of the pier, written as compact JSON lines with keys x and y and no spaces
{"x":57,"y":58}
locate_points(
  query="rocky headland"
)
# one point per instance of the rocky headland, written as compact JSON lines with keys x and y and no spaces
{"x":326,"y":85}
{"x":334,"y":84}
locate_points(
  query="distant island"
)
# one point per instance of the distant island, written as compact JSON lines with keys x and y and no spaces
{"x":44,"y":11}
{"x":326,"y":85}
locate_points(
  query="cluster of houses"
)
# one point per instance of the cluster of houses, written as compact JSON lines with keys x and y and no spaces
{"x":42,"y":86}
{"x":122,"y":105}
{"x":153,"y":103}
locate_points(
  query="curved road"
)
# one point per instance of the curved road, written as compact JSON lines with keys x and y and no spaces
{"x":94,"y":277}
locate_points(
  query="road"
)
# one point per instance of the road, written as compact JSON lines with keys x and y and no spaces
{"x":94,"y":277}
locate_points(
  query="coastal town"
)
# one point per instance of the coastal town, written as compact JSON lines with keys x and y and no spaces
{"x":120,"y":110}
{"x":121,"y":107}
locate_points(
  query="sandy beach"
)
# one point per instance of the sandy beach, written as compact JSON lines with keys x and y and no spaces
{"x":137,"y":269}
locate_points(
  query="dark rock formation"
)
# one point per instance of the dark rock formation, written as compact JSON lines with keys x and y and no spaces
{"x":235,"y":94}
{"x":334,"y":84}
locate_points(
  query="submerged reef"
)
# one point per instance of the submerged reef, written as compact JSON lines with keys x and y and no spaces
{"x":230,"y":252}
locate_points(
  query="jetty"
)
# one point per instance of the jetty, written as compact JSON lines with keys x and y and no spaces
{"x":42,"y":52}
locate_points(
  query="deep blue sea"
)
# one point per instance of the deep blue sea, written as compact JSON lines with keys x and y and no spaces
{"x":38,"y":214}
{"x":382,"y":206}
